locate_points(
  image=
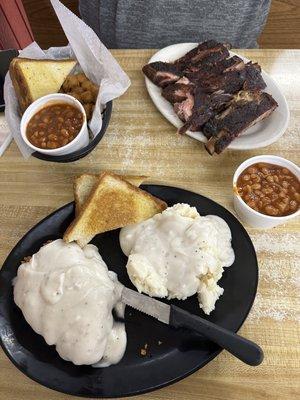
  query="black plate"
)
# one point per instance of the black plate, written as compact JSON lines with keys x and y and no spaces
{"x":76,"y":155}
{"x":173,"y":354}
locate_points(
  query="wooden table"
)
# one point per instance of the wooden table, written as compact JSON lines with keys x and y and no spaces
{"x":140,"y":141}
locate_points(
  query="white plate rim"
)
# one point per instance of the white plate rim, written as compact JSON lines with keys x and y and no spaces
{"x":166,"y":109}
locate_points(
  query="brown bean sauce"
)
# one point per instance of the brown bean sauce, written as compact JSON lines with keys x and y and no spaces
{"x":269,"y":189}
{"x":54,"y":126}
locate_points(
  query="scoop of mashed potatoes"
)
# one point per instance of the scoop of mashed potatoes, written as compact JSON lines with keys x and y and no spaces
{"x":179,"y":253}
{"x":67,"y":294}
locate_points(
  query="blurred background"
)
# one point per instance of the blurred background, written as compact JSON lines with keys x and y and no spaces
{"x":23,"y":20}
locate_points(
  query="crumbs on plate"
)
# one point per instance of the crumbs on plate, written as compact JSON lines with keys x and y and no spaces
{"x":144,"y":351}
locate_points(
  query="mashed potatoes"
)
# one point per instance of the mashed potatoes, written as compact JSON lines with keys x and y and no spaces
{"x":67,"y":295}
{"x":178,"y":253}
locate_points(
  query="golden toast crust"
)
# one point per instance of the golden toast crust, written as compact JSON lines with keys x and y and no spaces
{"x":20,"y":86}
{"x":19,"y":81}
{"x":114,"y":203}
{"x":81,"y":194}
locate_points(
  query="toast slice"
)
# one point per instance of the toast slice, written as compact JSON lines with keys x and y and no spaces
{"x":114,"y":203}
{"x":33,"y":79}
{"x":84,"y":184}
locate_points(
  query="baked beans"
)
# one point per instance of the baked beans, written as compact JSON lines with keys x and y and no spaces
{"x":269,"y":189}
{"x":54,"y":126}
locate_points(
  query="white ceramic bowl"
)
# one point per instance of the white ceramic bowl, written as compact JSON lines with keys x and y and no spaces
{"x":246,"y":213}
{"x":81,"y":140}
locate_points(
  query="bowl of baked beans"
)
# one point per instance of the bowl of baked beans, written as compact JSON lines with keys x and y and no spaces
{"x":55,"y":125}
{"x":266,"y":191}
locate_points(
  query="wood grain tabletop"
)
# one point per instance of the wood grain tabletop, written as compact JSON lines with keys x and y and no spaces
{"x":140,"y":141}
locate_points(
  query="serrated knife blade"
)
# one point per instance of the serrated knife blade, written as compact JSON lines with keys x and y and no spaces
{"x":147,"y":305}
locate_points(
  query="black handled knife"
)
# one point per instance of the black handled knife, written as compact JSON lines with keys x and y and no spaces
{"x":247,"y":351}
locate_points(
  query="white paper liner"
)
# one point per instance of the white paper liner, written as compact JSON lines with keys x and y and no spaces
{"x":94,"y":59}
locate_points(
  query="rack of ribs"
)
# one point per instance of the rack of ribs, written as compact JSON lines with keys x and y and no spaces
{"x":246,"y":109}
{"x":212,"y":95}
{"x":206,"y":86}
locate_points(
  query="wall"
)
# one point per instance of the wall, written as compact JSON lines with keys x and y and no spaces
{"x":282,"y":30}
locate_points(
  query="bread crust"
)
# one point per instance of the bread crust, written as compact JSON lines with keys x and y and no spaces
{"x":111,"y":218}
{"x":19,"y":81}
{"x":79,"y":182}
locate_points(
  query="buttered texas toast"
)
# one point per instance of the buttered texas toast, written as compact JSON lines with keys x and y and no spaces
{"x":114,"y":203}
{"x":84,"y":184}
{"x":33,"y":79}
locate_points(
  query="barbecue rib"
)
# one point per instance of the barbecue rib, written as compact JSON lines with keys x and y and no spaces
{"x":161,"y":73}
{"x":184,"y":109}
{"x":246,"y":76}
{"x":254,"y":80}
{"x":206,"y":52}
{"x":177,"y":92}
{"x":246,"y":109}
{"x":205,"y":106}
{"x":205,"y":71}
